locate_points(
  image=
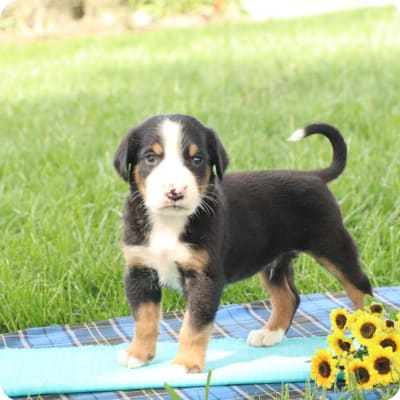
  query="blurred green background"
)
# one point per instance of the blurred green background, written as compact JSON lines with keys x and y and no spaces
{"x":66,"y":102}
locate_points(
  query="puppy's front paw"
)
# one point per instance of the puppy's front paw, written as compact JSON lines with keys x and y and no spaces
{"x":176,"y":369}
{"x":265,"y":337}
{"x":188,"y":367}
{"x":127,"y":359}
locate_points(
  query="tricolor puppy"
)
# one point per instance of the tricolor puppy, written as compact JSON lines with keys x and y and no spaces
{"x":192,"y":228}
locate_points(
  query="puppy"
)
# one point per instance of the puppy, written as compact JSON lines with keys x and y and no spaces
{"x":191,"y":228}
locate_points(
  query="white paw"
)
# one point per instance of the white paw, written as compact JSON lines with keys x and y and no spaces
{"x":265,"y":337}
{"x":176,"y":369}
{"x":127,"y":360}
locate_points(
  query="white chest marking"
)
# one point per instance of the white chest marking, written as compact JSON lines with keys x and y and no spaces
{"x":165,"y":248}
{"x":162,"y":251}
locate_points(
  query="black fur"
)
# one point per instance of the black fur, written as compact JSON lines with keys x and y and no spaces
{"x":251,"y":222}
{"x":141,"y":286}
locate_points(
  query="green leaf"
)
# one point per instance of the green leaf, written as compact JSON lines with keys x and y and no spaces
{"x":171,"y":392}
{"x":368,"y":299}
{"x":208,"y":384}
{"x":393,"y":315}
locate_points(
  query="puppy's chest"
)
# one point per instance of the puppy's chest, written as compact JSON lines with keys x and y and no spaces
{"x":166,"y":249}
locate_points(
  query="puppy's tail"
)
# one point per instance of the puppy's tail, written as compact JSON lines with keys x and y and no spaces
{"x":338,"y":144}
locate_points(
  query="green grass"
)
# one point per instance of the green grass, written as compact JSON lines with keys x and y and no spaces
{"x":65,"y":105}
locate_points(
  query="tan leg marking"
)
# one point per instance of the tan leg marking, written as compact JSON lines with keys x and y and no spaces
{"x":185,"y":256}
{"x":135,"y":256}
{"x":143,"y":346}
{"x":194,"y":260}
{"x":283,"y":306}
{"x":192,"y":346}
{"x":354,"y":294}
{"x":146,"y":330}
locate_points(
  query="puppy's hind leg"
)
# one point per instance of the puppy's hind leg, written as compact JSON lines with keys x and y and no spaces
{"x":278,"y":279}
{"x":339,"y":255}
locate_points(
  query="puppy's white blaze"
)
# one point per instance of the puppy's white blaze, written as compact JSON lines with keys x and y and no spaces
{"x":171,"y":173}
{"x":171,"y":133}
{"x":297,"y":135}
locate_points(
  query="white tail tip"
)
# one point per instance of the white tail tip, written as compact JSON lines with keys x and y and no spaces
{"x":297,"y":135}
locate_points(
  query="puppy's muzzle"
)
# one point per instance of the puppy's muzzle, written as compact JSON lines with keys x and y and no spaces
{"x":176,"y":194}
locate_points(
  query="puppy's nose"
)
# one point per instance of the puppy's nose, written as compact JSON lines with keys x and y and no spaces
{"x":175,"y":194}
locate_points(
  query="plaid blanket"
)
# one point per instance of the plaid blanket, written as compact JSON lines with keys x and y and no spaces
{"x":233,"y":321}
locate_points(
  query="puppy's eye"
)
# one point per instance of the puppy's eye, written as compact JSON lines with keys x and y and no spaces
{"x":197,"y":160}
{"x":151,"y":158}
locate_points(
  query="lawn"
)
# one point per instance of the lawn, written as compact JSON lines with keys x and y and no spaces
{"x":65,"y":104}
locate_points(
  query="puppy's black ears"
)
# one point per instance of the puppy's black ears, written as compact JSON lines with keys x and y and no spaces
{"x":125,"y":156}
{"x":218,"y":155}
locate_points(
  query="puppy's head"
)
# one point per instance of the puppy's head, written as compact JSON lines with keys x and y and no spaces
{"x":171,"y":160}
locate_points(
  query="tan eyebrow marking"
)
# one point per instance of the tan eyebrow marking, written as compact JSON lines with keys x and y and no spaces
{"x":157,"y":148}
{"x":193,"y":150}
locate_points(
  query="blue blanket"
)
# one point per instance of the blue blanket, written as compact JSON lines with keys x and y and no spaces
{"x":232,"y":325}
{"x":94,"y":368}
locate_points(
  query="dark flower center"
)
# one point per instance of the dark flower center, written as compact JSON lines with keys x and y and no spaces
{"x":389,"y":343}
{"x":362,"y":375}
{"x":376,"y":308}
{"x":368,"y":330}
{"x":341,"y":321}
{"x":382,"y":365}
{"x":324,"y":369}
{"x":389,"y":323}
{"x":345,"y":346}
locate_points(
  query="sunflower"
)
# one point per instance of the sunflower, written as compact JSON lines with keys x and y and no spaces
{"x":396,"y":368}
{"x":340,"y":344}
{"x":354,"y":317}
{"x":391,"y":340}
{"x":389,"y":325}
{"x":365,"y":328}
{"x":339,"y":319}
{"x":323,"y":368}
{"x":344,"y":360}
{"x":360,"y":372}
{"x":375,"y":308}
{"x":384,"y":364}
